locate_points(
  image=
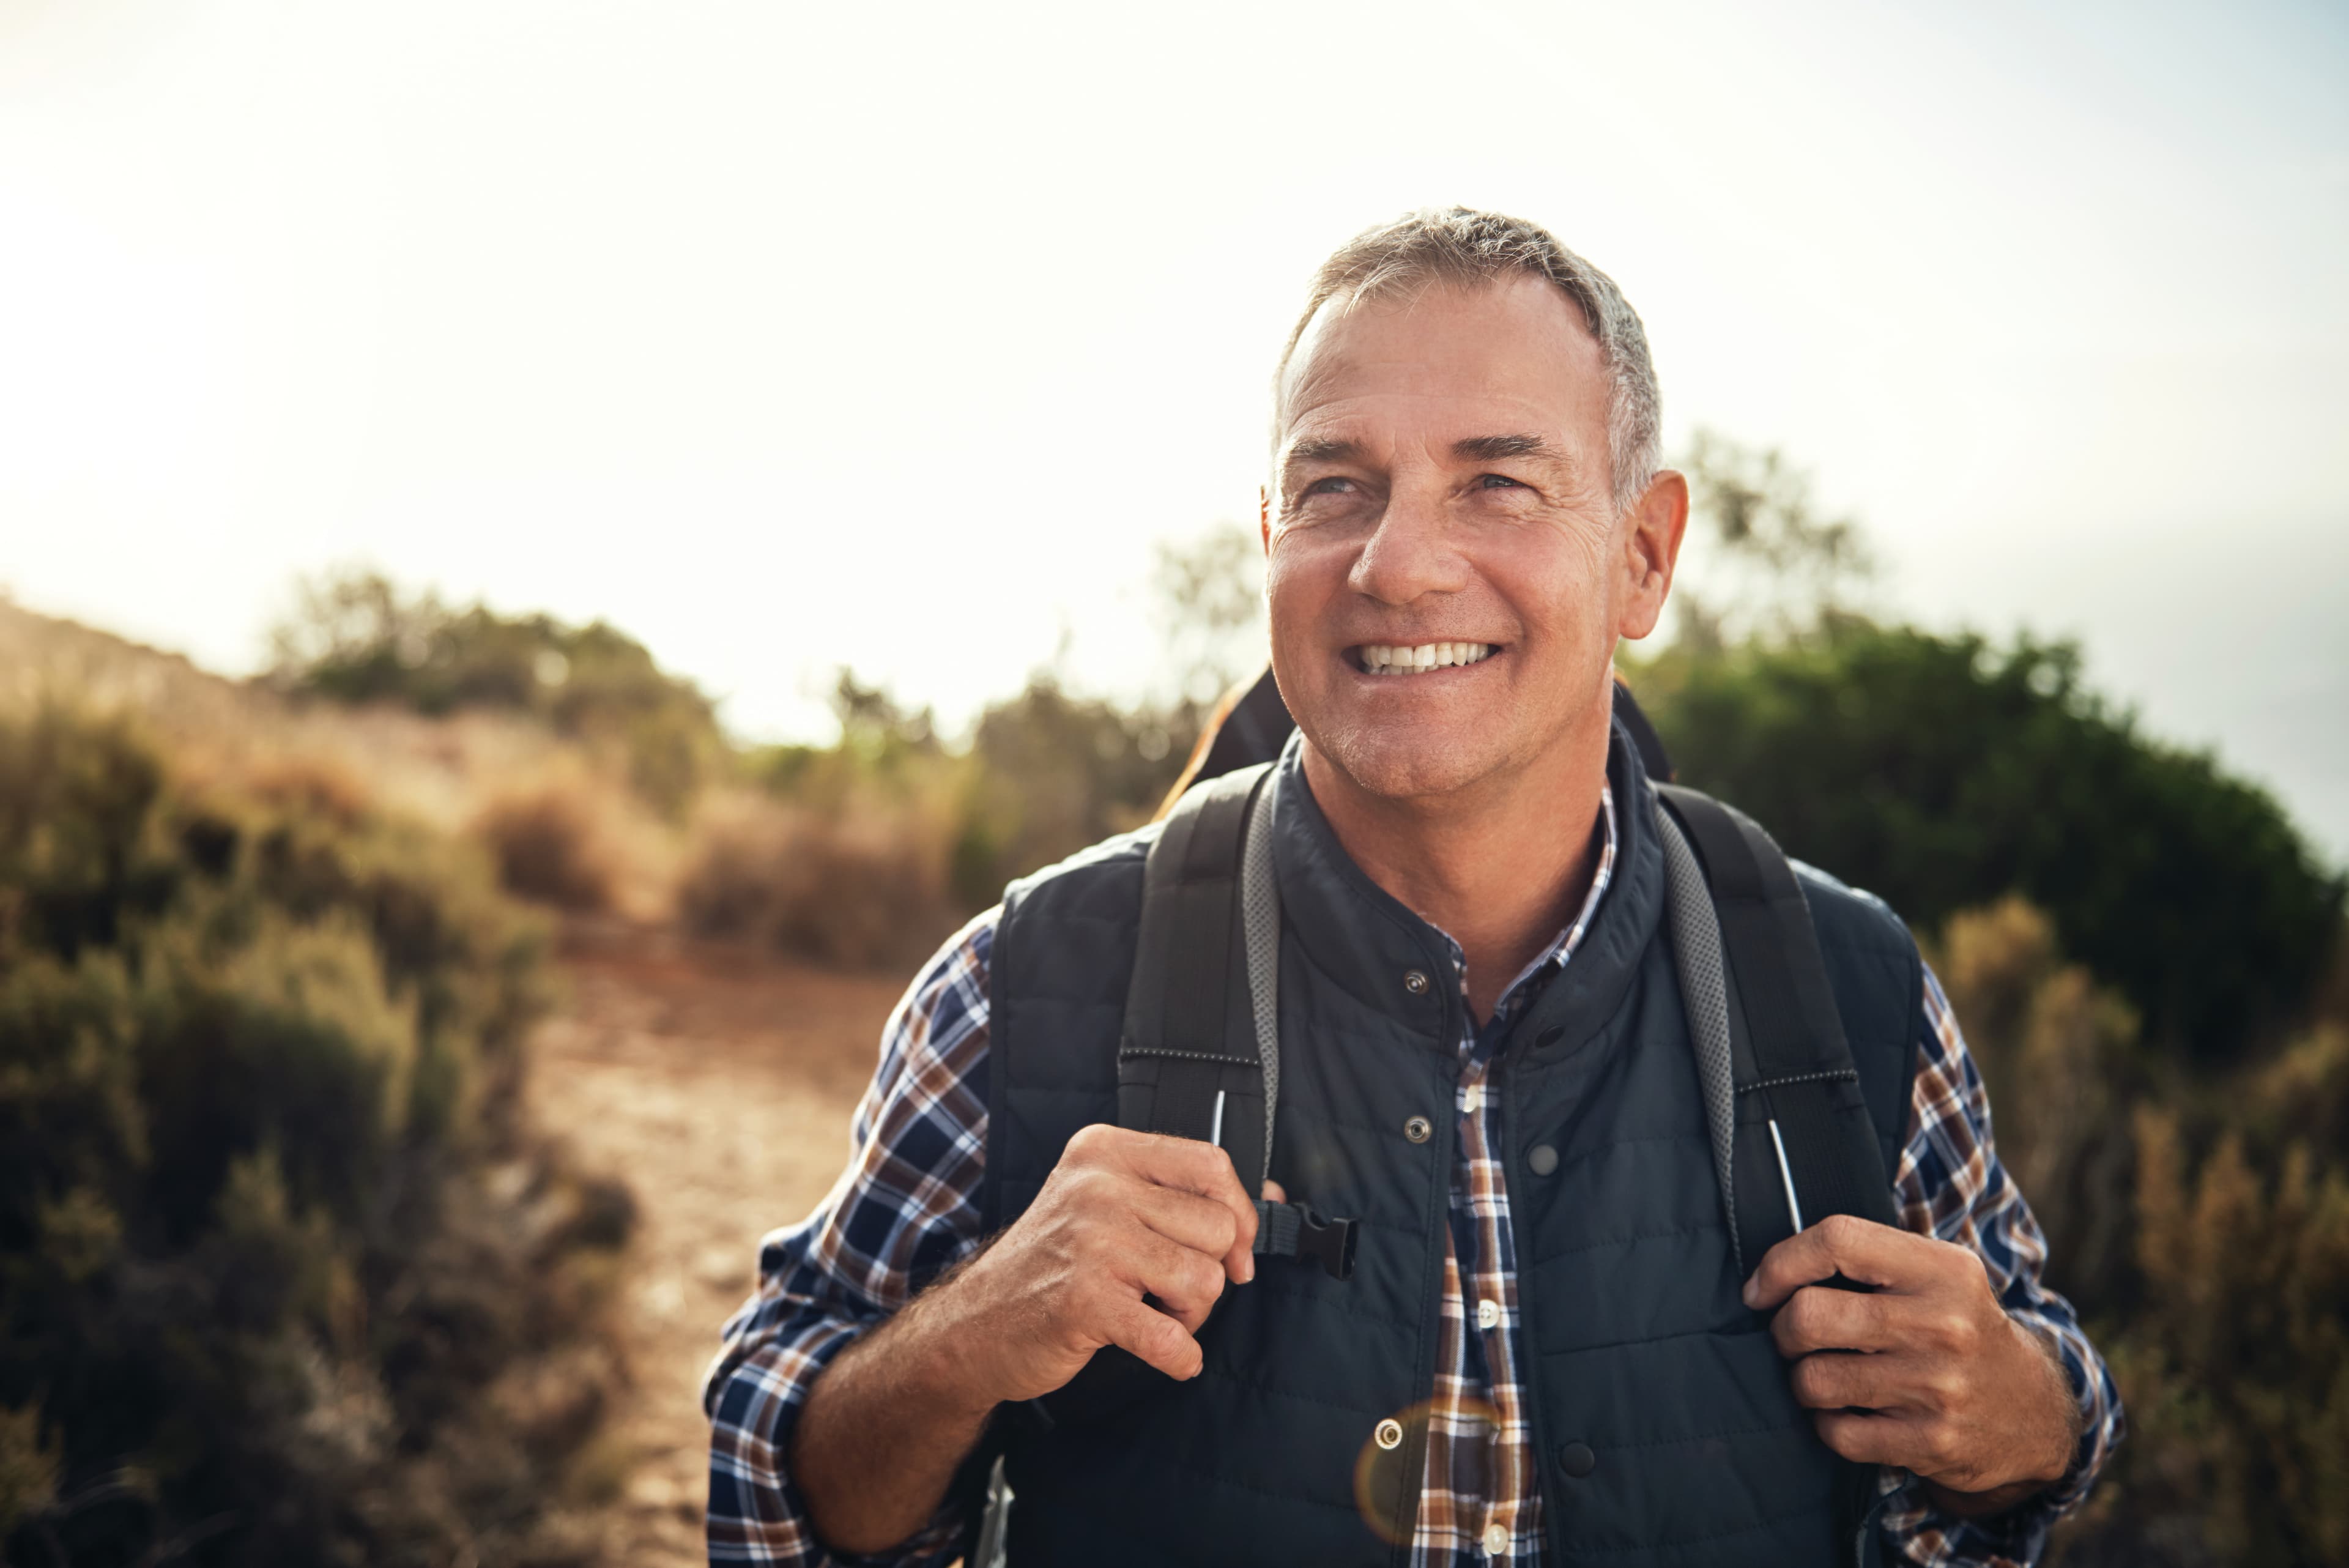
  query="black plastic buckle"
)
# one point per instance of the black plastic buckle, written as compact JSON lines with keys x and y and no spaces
{"x":1329,"y":1243}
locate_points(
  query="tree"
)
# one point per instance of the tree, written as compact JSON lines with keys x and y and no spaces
{"x":1774,"y":566}
{"x":1210,"y":592}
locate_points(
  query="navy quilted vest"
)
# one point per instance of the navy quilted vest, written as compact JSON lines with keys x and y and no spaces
{"x":1664,"y":1427}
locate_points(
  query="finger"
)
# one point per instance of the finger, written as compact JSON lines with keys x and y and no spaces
{"x":1870,"y":1437}
{"x":1841,"y":1379}
{"x":1859,"y":1249}
{"x":1275,"y":1193}
{"x":1155,"y":1337}
{"x":1188,"y":1165}
{"x":1202,"y":1224}
{"x":1820,"y":1317}
{"x":1185,"y":1282}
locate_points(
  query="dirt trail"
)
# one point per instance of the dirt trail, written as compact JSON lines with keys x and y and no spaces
{"x":719,"y":1086}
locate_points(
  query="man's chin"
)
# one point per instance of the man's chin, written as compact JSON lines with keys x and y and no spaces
{"x":1420,"y":762}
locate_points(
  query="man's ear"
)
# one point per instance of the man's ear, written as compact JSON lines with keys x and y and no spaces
{"x":1652,"y":551}
{"x":1264,"y":515}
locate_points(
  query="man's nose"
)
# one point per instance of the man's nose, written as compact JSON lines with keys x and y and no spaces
{"x":1411,"y":552}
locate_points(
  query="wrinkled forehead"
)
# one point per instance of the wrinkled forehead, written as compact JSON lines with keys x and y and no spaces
{"x":1437,"y":353}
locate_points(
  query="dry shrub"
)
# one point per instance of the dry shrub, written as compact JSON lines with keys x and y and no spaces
{"x":322,"y":786}
{"x":552,"y":846}
{"x":854,"y":889}
{"x":290,"y":1277}
{"x":2056,"y":1051}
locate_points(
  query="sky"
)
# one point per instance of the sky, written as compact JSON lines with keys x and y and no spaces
{"x":786,"y":338}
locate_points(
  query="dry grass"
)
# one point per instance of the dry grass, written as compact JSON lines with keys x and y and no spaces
{"x":856,"y":888}
{"x":552,"y":848}
{"x":562,"y":826}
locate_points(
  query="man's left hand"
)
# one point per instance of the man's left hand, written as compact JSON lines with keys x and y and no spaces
{"x":1927,"y":1371}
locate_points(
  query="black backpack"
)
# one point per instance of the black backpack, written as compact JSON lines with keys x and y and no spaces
{"x":1199,"y":1052}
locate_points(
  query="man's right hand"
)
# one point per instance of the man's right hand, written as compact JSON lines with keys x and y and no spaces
{"x":1124,"y":1215}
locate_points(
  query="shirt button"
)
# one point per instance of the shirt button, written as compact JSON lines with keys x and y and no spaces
{"x":1414,"y":982}
{"x":1496,"y":1540}
{"x":1419,"y":1129}
{"x":1473,"y":1100}
{"x":1488,"y":1313}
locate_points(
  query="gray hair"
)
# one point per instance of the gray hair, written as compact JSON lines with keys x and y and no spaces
{"x":1462,"y":245}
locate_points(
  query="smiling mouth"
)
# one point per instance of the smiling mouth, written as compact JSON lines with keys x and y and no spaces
{"x":1385,"y":658}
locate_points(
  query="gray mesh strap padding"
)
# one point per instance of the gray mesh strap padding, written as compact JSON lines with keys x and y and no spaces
{"x":1705,"y":995}
{"x":1260,"y":928}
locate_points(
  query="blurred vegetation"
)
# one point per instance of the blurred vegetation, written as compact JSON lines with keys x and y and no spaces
{"x":354,"y":637}
{"x":928,"y":832}
{"x":1945,"y":771}
{"x":2199,"y":1217}
{"x":282,"y":1276}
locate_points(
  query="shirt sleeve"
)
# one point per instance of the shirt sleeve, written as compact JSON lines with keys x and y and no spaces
{"x":905,"y":1210}
{"x":1951,"y":1185}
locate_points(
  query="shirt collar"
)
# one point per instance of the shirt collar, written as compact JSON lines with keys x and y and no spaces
{"x":1552,"y":958}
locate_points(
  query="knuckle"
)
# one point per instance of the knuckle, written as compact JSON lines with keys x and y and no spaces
{"x":1840,"y":1231}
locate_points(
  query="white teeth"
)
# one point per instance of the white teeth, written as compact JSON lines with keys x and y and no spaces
{"x":1382,"y":659}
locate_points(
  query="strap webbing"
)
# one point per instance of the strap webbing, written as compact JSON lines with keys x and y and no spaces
{"x":1179,"y":1051}
{"x":1704,"y":997}
{"x":1798,"y":1096}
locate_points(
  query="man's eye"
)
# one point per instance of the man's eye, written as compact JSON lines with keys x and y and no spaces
{"x":1498,"y":481}
{"x":1328,"y":487}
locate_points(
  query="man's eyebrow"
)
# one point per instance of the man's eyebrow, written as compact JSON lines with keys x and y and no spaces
{"x":1492,"y":447}
{"x":1322,"y":450}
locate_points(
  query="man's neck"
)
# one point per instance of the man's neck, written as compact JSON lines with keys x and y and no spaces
{"x":1501,"y":866}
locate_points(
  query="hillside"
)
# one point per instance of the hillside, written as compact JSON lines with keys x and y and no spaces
{"x":714,"y":1082}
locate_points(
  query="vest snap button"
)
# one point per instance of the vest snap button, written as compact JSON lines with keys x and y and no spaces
{"x":1577,"y":1459}
{"x":1389,"y":1434}
{"x":1415,"y":982}
{"x":1419,"y":1129}
{"x":1541,"y":1160}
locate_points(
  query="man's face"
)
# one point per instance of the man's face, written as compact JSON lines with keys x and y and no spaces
{"x":1441,"y":492}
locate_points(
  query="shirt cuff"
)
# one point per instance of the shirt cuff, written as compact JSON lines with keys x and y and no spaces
{"x":1921,"y":1532}
{"x":757,"y":1512}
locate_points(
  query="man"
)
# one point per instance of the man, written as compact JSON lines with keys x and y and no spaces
{"x":1545,"y":1325}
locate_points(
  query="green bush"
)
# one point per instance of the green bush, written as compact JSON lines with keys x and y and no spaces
{"x":1942,"y":773}
{"x":258,"y":1064}
{"x":358,"y":638}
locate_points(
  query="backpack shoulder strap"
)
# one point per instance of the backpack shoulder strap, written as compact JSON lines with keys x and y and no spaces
{"x":1801,"y":1142}
{"x":1188,"y":1060}
{"x":1198,"y":1051}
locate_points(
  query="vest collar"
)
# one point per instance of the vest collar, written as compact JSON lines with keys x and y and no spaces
{"x":1367,"y":940}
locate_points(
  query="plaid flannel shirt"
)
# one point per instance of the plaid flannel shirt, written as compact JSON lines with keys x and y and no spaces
{"x":907,"y":1208}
